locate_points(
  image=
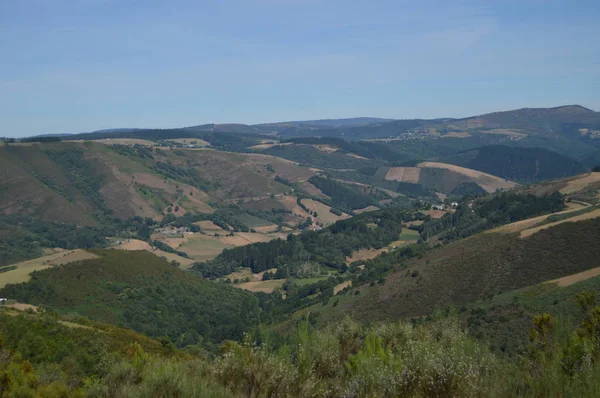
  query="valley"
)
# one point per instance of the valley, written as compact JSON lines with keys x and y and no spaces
{"x":220,"y":247}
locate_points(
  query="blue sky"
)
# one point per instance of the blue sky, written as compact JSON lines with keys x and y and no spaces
{"x":82,"y":65}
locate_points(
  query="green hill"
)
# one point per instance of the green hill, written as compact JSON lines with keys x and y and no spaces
{"x":140,"y":291}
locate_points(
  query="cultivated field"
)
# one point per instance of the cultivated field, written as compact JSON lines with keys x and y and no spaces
{"x":25,"y":268}
{"x":404,"y":174}
{"x":580,"y":183}
{"x":209,"y":226}
{"x":262,"y":286}
{"x":203,"y":248}
{"x":324,"y":216}
{"x":486,"y":181}
{"x":134,"y":244}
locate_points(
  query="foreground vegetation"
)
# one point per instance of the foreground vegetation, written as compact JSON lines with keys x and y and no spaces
{"x":436,"y":358}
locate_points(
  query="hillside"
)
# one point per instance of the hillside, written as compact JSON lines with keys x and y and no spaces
{"x":82,"y":182}
{"x":523,"y":165}
{"x":140,"y":291}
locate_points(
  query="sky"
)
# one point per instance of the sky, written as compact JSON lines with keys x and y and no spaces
{"x":83,"y":65}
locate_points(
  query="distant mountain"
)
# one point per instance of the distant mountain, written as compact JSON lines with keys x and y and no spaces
{"x":355,"y":121}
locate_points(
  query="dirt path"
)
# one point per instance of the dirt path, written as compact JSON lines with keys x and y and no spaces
{"x":572,"y":279}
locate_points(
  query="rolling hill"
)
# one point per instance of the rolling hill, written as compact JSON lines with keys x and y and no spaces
{"x":140,"y":291}
{"x":523,"y":165}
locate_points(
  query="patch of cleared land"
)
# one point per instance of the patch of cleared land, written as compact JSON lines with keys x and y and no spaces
{"x":486,"y":181}
{"x":185,"y":262}
{"x":203,"y":248}
{"x":457,"y":134}
{"x":435,"y":213}
{"x":355,"y":156}
{"x":364,"y":254}
{"x":324,"y":216}
{"x":312,"y":190}
{"x":262,"y":286}
{"x":532,"y":222}
{"x":341,"y":286}
{"x":580,"y":183}
{"x":134,"y":244}
{"x":267,"y":146}
{"x":366,"y":209}
{"x":209,"y":226}
{"x":509,"y":132}
{"x":404,"y":174}
{"x":25,"y":268}
{"x":325,"y":148}
{"x":581,"y":217}
{"x":266,"y":228}
{"x":21,"y":307}
{"x":579,"y":277}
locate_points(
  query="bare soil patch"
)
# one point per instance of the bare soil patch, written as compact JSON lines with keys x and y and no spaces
{"x":366,"y":209}
{"x":341,"y":286}
{"x":579,"y":277}
{"x":404,"y":174}
{"x":262,"y":286}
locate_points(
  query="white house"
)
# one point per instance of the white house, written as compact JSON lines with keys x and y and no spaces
{"x":454,"y":204}
{"x":3,"y":300}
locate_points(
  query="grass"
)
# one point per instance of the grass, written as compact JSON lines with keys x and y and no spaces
{"x":262,"y":286}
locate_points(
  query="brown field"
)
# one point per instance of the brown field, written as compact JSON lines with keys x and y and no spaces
{"x":25,"y":268}
{"x":289,"y":202}
{"x":355,"y":156}
{"x":185,"y":262}
{"x":266,"y":228}
{"x":262,"y":286}
{"x":267,"y":146}
{"x":581,"y":217}
{"x":244,"y":238}
{"x":203,"y":248}
{"x":364,"y":254}
{"x":341,"y":286}
{"x":314,"y":191}
{"x":457,"y":134}
{"x":175,"y":242}
{"x":581,"y":276}
{"x":134,"y":244}
{"x":580,"y":183}
{"x":324,"y":216}
{"x":21,"y":307}
{"x":435,"y":213}
{"x":487,"y":181}
{"x":404,"y":174}
{"x":366,"y":209}
{"x":209,"y":226}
